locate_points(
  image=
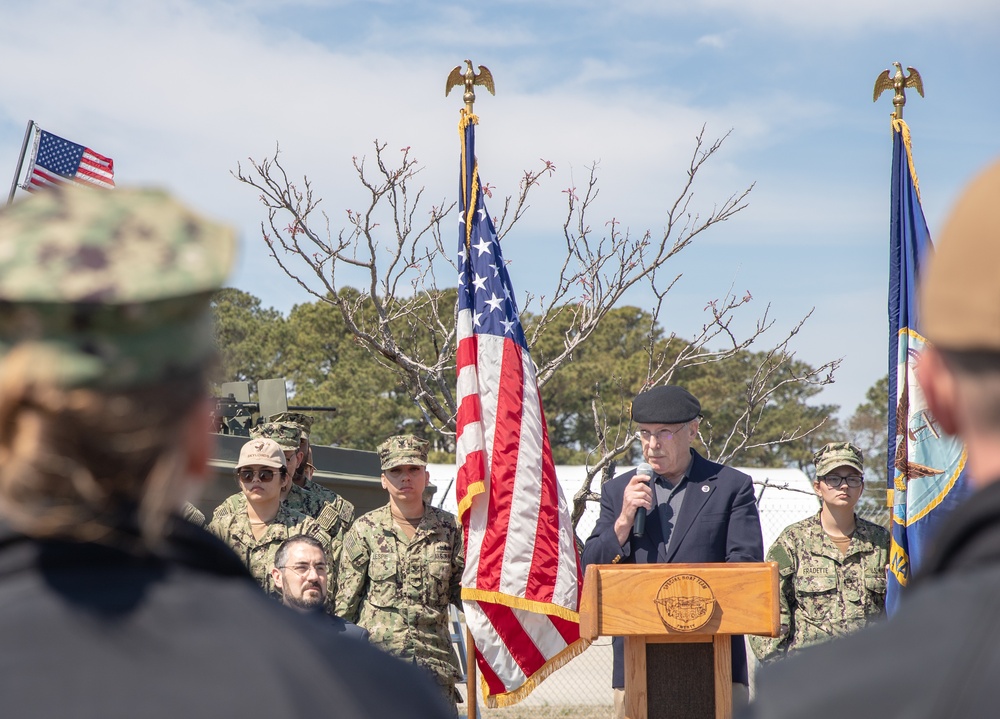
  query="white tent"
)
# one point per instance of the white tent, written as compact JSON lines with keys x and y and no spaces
{"x":784,"y":496}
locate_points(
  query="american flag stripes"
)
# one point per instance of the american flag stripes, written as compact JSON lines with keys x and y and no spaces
{"x":522,"y":580}
{"x":56,"y":161}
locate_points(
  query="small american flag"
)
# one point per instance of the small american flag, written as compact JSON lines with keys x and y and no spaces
{"x":522,"y":579}
{"x":56,"y":161}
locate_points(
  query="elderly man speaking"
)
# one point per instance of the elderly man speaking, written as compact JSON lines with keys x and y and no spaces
{"x":695,"y":510}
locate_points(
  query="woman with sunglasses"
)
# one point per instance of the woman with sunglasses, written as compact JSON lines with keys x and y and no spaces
{"x":831,"y":566}
{"x":256,"y":532}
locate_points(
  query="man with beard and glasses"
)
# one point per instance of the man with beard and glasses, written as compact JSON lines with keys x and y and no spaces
{"x":300,"y":573}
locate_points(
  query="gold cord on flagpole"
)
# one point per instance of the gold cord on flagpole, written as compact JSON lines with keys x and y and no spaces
{"x":903,"y":129}
{"x":469,"y":79}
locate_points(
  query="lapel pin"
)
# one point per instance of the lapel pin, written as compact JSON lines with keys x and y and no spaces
{"x":705,"y":488}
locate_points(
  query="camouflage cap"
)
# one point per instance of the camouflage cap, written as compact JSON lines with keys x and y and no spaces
{"x":959,"y":288}
{"x":838,"y":454}
{"x":303,"y":421}
{"x":261,"y":451}
{"x":286,"y":434}
{"x":109,"y":289}
{"x":403,"y":449}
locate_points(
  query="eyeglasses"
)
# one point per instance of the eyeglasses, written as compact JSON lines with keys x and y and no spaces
{"x":247,"y":475}
{"x":662,"y":435}
{"x":853,"y":480}
{"x":303,"y":569}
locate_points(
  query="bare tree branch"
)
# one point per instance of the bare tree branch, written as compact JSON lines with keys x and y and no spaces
{"x":405,"y":318}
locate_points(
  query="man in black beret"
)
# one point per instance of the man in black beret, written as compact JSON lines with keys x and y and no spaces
{"x":697,"y":510}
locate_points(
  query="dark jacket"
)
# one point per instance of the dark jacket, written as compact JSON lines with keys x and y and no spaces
{"x":719,"y":524}
{"x":348,"y":629}
{"x":112,"y":631}
{"x":939,"y":654}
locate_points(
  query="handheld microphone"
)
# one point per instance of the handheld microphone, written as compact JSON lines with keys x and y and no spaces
{"x":639,"y":527}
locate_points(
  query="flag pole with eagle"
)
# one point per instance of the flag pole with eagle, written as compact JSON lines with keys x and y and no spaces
{"x":926,"y":467}
{"x":522,"y":580}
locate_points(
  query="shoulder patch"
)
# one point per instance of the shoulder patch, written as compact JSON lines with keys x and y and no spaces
{"x":328,"y":518}
{"x":355,"y":550}
{"x":779,"y":554}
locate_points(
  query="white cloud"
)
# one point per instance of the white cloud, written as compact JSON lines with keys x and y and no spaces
{"x":180,"y":91}
{"x":844,"y":15}
{"x":716,"y":41}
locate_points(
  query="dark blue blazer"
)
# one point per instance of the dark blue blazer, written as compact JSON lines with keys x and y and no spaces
{"x":717,"y":525}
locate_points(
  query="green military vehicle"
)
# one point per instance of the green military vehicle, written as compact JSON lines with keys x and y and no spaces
{"x":352,"y":473}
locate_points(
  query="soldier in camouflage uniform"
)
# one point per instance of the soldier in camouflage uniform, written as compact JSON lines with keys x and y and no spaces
{"x":832,"y":567}
{"x":343,"y":509}
{"x":334,"y":516}
{"x":256,"y":532}
{"x":402,"y":566}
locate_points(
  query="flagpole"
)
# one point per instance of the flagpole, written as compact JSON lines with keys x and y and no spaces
{"x":471,"y":677}
{"x":20,"y":162}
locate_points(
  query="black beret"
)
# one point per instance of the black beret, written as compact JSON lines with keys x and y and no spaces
{"x":668,"y":404}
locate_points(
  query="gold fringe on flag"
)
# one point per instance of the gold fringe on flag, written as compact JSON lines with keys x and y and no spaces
{"x":497,"y":701}
{"x":528,"y":605}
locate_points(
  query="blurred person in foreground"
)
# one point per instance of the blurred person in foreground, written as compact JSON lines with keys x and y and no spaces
{"x":939,"y":654}
{"x":112,"y":605}
{"x":831,"y":566}
{"x":300,"y":573}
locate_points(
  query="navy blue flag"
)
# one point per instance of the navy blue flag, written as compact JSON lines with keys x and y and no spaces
{"x":926,"y":466}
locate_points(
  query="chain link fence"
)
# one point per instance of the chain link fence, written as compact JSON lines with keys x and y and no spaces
{"x":582,"y":688}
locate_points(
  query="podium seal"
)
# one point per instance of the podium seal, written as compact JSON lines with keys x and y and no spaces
{"x":685,"y":603}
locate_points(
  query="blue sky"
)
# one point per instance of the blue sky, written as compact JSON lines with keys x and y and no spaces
{"x":180,"y":91}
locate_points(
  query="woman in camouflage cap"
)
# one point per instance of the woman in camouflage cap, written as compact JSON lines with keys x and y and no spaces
{"x":258,"y":528}
{"x":832,"y":566}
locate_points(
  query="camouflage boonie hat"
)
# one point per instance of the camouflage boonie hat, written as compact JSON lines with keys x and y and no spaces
{"x":403,"y":449}
{"x":286,"y":434}
{"x":109,"y":289}
{"x":838,"y":454}
{"x":303,"y":421}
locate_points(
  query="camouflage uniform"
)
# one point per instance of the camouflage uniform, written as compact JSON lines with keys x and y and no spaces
{"x":399,"y":589}
{"x":282,"y":428}
{"x":333,"y":517}
{"x":258,"y":554}
{"x":823,"y":594}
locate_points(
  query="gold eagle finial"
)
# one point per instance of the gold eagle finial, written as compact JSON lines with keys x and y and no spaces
{"x":469,"y":79}
{"x":898,"y":83}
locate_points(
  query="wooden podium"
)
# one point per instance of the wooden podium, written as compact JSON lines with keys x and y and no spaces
{"x":677,"y":621}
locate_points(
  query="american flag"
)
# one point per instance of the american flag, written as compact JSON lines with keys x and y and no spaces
{"x":56,"y":161}
{"x":522,"y":580}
